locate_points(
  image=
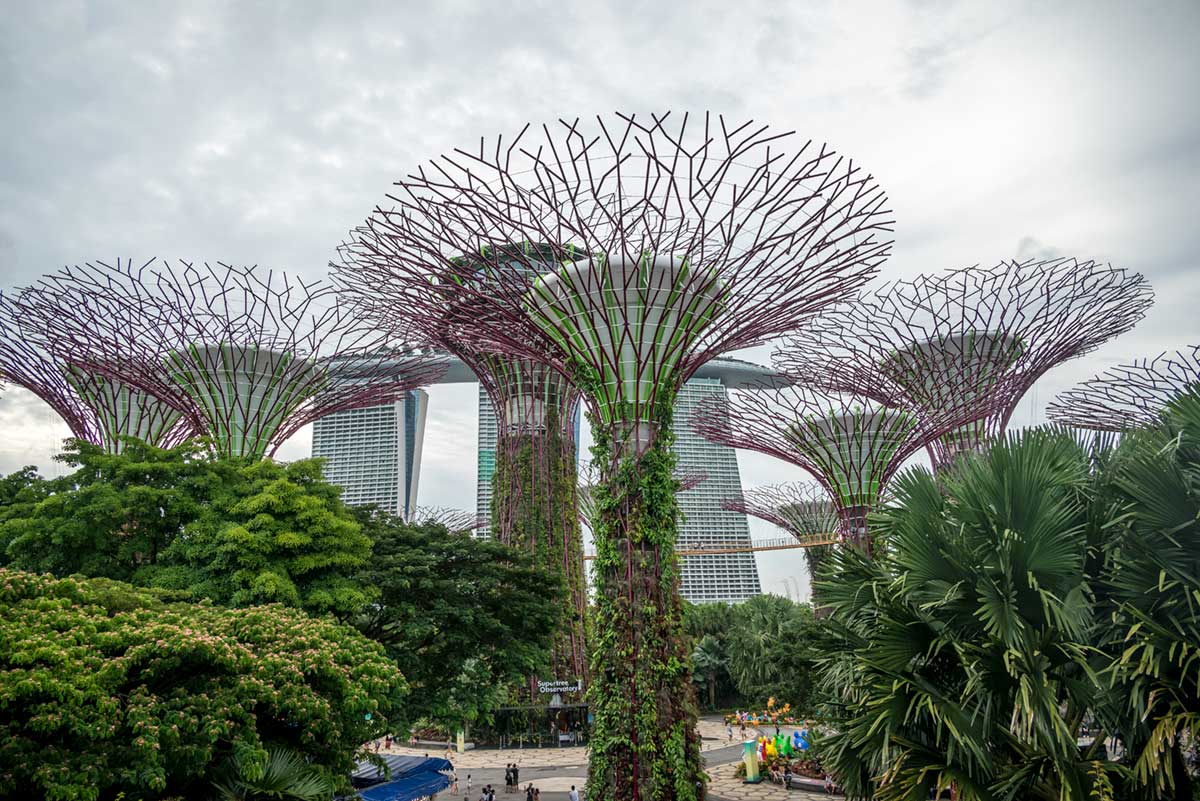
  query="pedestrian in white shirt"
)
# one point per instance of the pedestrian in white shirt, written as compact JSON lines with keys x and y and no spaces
{"x":574,"y":794}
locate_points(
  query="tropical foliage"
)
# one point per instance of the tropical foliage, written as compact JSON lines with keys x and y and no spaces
{"x":465,"y":619}
{"x":1032,"y":603}
{"x":235,"y":532}
{"x":748,"y":653}
{"x":107,"y":688}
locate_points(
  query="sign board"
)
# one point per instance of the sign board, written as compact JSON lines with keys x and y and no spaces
{"x":560,"y":686}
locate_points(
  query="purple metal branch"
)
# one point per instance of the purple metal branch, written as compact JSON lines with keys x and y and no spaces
{"x":1129,"y":395}
{"x":968,"y":343}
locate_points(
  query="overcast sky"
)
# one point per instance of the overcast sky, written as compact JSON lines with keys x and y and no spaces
{"x":261,"y":132}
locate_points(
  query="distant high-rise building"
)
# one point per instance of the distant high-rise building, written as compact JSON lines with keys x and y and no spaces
{"x":374,"y":454}
{"x":727,"y":577}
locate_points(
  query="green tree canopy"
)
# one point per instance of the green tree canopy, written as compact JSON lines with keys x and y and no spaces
{"x":464,"y":618}
{"x":275,"y":534}
{"x":114,"y":515}
{"x":106,"y":688}
{"x":236,"y":532}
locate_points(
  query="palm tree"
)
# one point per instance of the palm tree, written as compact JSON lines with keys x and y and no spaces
{"x":708,"y":659}
{"x":284,"y":775}
{"x":1154,"y":586}
{"x":960,"y":655}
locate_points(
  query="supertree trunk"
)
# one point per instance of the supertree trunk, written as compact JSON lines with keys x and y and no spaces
{"x":534,"y":508}
{"x":644,"y":741}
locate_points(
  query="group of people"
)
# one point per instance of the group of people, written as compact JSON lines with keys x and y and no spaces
{"x":512,"y":778}
{"x":785,"y":777}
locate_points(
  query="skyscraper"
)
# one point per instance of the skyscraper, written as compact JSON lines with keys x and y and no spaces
{"x":374,"y":454}
{"x":728,"y":577}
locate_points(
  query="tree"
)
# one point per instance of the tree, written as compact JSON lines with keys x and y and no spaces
{"x":1153,"y":584}
{"x":708,"y":660}
{"x":770,"y":649}
{"x":962,"y":654}
{"x":274,"y":534}
{"x":115,"y":515}
{"x":283,"y":775}
{"x":106,"y":688}
{"x":20,"y":493}
{"x":464,"y":618}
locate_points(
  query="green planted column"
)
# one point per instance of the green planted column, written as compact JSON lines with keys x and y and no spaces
{"x":644,"y":741}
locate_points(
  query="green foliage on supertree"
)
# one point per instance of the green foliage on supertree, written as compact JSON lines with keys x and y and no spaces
{"x":464,"y":618}
{"x":533,"y":509}
{"x":106,"y":689}
{"x":641,"y":692}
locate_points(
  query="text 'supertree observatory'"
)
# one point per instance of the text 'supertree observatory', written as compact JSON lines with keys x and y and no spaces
{"x":624,"y":254}
{"x":247,"y":356}
{"x":852,"y":446}
{"x":966,"y":344}
{"x":1129,"y":395}
{"x":97,"y":409}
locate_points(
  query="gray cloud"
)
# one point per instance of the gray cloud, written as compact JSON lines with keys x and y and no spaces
{"x":262,"y":132}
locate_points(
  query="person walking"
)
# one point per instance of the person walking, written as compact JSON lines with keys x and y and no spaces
{"x":507,"y":778}
{"x":537,"y":794}
{"x":529,"y":792}
{"x":574,"y":794}
{"x":516,"y":778}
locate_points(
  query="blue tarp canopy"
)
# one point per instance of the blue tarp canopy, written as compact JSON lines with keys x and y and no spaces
{"x":366,"y":773}
{"x":413,"y":786}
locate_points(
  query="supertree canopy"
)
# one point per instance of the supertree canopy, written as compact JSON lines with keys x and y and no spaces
{"x":968,"y":342}
{"x":96,"y":408}
{"x":456,"y":521}
{"x":1129,"y":395}
{"x":250,"y":355}
{"x":803,"y":509}
{"x":668,"y":241}
{"x":851,"y":445}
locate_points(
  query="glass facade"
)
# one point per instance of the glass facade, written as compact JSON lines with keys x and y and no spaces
{"x":374,"y":454}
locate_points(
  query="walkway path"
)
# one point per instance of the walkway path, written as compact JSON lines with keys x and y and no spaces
{"x":554,"y":770}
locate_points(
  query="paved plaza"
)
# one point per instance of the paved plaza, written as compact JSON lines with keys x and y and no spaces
{"x":554,"y":770}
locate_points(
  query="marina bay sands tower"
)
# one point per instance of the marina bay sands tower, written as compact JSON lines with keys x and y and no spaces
{"x":374,"y":454}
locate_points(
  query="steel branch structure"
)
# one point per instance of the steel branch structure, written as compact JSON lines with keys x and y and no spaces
{"x":1129,"y":395}
{"x":967,"y":343}
{"x":851,"y":445}
{"x":802,"y":509}
{"x":250,"y":355}
{"x":96,"y":408}
{"x":624,"y":254}
{"x":456,"y":521}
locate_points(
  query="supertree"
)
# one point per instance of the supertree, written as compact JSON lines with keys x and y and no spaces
{"x":801,"y":508}
{"x":968,"y":343}
{"x":851,"y":445}
{"x":97,"y":409}
{"x":249,"y":356}
{"x":1129,"y":395}
{"x":667,"y":242}
{"x":456,"y":521}
{"x":534,"y":504}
